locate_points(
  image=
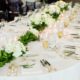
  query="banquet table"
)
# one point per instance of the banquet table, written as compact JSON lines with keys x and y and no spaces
{"x":72,"y":73}
{"x":68,"y":68}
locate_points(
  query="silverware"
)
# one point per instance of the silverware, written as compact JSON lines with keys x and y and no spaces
{"x":76,"y":36}
{"x":70,"y":47}
{"x":27,"y":65}
{"x":45,"y":62}
{"x":78,"y":21}
{"x":46,"y":65}
{"x":77,"y":27}
{"x":68,"y":52}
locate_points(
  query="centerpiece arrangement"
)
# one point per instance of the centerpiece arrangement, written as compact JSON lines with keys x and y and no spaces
{"x":41,"y":26}
{"x":38,"y":23}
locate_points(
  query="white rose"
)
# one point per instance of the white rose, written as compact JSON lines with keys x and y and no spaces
{"x":34,"y":31}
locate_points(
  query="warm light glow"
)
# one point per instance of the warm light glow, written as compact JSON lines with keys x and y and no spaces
{"x":45,"y":44}
{"x":60,"y":34}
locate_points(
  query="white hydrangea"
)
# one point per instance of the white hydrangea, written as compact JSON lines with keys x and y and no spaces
{"x":53,"y":9}
{"x":46,"y":9}
{"x":37,"y":19}
{"x":34,"y":31}
{"x":70,"y":6}
{"x":61,"y":4}
{"x":48,"y":19}
{"x":77,"y":6}
{"x":15,"y":47}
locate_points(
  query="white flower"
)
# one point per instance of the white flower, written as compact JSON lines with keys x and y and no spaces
{"x":48,"y":19}
{"x":77,"y":6}
{"x":53,"y":9}
{"x":17,"y":53}
{"x":46,"y":9}
{"x":9,"y":47}
{"x":61,"y":4}
{"x":15,"y":47}
{"x":34,"y":31}
{"x":37,"y":18}
{"x":70,"y":6}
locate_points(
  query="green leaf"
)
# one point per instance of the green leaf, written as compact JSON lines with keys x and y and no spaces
{"x":65,"y":8}
{"x":2,"y":64}
{"x":28,"y":37}
{"x":5,"y":57}
{"x":55,"y":15}
{"x":39,"y":27}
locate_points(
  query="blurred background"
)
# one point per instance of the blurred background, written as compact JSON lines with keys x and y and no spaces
{"x":72,"y":0}
{"x":11,"y":8}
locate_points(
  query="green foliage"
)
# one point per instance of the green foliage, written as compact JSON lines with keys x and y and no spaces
{"x":5,"y":57}
{"x":55,"y":15}
{"x":28,"y":37}
{"x":64,"y":9}
{"x":40,"y":26}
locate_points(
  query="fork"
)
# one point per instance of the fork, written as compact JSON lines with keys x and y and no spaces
{"x":47,"y":65}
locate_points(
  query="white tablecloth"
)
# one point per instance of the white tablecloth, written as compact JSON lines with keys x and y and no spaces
{"x":72,"y":73}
